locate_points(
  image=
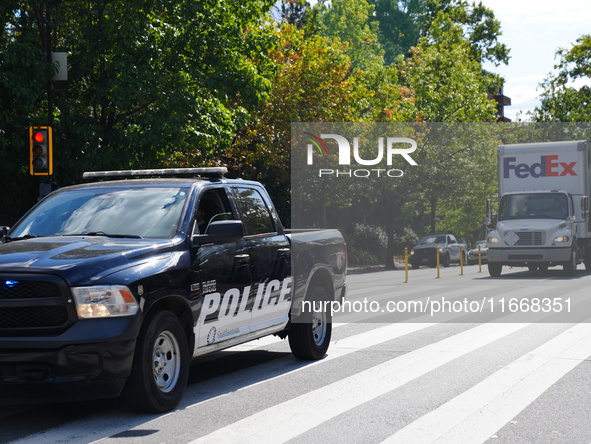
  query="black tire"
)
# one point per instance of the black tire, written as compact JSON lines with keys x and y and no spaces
{"x":446,"y":261}
{"x":532,"y":267}
{"x":570,"y":267}
{"x":160,"y":365}
{"x":414,"y":266}
{"x":494,"y":269}
{"x":309,"y":335}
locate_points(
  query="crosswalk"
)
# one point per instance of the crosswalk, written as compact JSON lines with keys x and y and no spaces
{"x":408,"y":382}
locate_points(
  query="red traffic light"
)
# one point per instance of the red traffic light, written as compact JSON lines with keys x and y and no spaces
{"x":41,"y":151}
{"x":38,"y":137}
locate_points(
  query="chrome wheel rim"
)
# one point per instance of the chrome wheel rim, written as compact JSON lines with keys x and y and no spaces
{"x":166,"y":361}
{"x":319,"y":327}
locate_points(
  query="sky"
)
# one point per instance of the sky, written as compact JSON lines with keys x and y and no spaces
{"x":534,"y":30}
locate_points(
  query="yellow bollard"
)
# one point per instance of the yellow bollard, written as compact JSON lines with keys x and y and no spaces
{"x":479,"y":260}
{"x":437,"y":261}
{"x":405,"y":264}
{"x":461,"y":261}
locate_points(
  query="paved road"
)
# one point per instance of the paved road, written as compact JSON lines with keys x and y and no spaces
{"x":449,"y":378}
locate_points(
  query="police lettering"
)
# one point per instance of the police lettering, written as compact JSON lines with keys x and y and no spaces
{"x":215,"y":307}
{"x":549,"y":166}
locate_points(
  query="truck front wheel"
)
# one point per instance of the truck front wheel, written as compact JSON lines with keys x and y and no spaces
{"x":571,"y":267}
{"x":446,"y":260}
{"x":160,"y":366}
{"x":309,"y":335}
{"x":494,"y":269}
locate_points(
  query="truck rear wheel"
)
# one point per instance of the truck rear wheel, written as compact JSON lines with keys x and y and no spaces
{"x":494,"y":269}
{"x":160,"y":366}
{"x":309,"y":336}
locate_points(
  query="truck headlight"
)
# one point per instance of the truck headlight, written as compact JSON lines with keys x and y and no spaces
{"x":412,"y":253}
{"x":561,"y":239}
{"x":441,"y":250}
{"x":492,"y":240}
{"x":104,"y":300}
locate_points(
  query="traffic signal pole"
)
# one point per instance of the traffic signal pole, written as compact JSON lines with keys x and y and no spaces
{"x":49,"y":51}
{"x":45,"y":185}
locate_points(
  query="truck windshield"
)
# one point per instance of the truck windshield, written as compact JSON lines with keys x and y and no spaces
{"x":112,"y":211}
{"x":432,"y":240}
{"x":533,"y":206}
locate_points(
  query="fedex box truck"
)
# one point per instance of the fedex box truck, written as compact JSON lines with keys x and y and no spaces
{"x":543,"y":216}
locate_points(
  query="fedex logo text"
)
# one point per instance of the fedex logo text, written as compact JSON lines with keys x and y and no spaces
{"x":547,"y":167}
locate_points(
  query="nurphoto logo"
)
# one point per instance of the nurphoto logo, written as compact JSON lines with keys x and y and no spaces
{"x":387,"y":147}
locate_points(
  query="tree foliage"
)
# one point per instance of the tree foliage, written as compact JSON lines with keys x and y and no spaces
{"x":403,"y":22}
{"x":149,"y":83}
{"x":561,"y":101}
{"x":315,"y":82}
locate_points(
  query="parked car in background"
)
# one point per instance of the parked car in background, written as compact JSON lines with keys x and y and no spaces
{"x":446,"y":245}
{"x":473,"y":252}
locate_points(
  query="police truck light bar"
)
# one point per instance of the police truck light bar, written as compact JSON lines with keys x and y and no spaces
{"x":213,"y":172}
{"x":41,"y":150}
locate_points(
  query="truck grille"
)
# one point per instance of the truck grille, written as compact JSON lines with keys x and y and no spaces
{"x":14,"y":289}
{"x":34,"y":305}
{"x":28,"y":317}
{"x":525,"y":257}
{"x":530,"y":238}
{"x":425,"y":252}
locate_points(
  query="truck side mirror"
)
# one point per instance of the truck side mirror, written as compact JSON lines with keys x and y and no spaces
{"x":219,"y":232}
{"x":4,"y":232}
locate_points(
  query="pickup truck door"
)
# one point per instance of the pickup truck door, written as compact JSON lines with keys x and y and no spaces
{"x":269,"y":256}
{"x":224,"y":280}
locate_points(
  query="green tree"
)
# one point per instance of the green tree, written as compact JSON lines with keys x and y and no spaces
{"x":449,"y":86}
{"x":560,"y":100}
{"x":403,"y":22}
{"x":448,"y":82}
{"x":350,"y":22}
{"x":293,"y":12}
{"x":314,"y":82}
{"x":24,"y":73}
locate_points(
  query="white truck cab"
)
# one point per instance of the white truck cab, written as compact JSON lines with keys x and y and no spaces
{"x":543,"y":217}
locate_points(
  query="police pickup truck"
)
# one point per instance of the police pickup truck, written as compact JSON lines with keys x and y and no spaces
{"x":113,"y":287}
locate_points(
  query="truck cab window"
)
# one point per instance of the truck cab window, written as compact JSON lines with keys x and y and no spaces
{"x":213,"y":206}
{"x":254,"y":211}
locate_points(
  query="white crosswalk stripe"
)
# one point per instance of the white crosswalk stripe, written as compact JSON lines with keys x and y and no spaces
{"x":477,"y":413}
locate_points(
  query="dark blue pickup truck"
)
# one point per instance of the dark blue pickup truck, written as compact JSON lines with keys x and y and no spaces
{"x":113,"y":287}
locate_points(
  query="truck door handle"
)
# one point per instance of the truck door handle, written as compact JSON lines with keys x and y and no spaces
{"x":241,"y":259}
{"x":283,"y":251}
